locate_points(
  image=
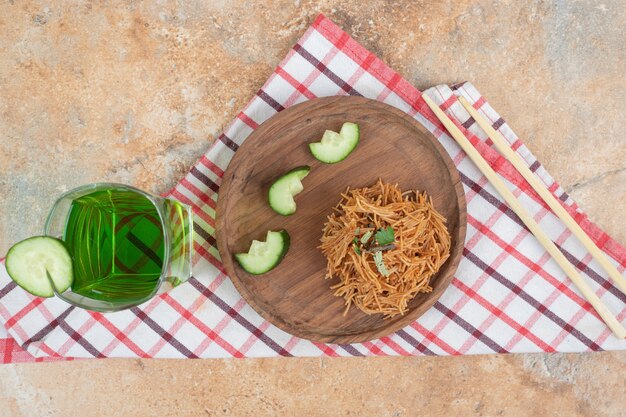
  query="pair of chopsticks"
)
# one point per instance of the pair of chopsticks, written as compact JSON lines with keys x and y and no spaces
{"x":503,"y":147}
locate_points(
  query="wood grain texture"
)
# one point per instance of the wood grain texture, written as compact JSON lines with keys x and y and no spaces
{"x":393,"y":146}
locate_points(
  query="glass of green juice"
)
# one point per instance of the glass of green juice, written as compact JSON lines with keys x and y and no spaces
{"x":126,"y":245}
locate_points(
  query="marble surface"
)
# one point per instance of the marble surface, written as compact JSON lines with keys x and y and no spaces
{"x":134,"y":92}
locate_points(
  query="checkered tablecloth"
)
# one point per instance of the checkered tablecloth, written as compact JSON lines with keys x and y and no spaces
{"x":507,"y":296}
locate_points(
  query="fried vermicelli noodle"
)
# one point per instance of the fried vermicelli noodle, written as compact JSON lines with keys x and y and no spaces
{"x":421,"y":245}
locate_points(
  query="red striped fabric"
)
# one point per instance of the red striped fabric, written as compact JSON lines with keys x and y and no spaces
{"x":507,"y":296}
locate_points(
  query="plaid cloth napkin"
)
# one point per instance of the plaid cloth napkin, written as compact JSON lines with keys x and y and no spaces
{"x":507,"y":296}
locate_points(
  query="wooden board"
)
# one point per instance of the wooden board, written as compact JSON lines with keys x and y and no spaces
{"x":295,"y":296}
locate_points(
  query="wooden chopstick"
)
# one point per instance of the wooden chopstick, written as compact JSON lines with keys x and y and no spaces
{"x":542,"y":190}
{"x":534,"y":228}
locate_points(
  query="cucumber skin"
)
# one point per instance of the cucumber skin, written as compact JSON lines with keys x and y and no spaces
{"x":296,"y":169}
{"x":282,"y":213}
{"x":291,"y":171}
{"x":30,"y":291}
{"x":286,"y":244}
{"x":358,"y":140}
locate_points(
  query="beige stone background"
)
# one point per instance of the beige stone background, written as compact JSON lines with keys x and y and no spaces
{"x":134,"y":92}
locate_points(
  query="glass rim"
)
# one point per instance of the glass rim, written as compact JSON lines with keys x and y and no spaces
{"x":166,"y":239}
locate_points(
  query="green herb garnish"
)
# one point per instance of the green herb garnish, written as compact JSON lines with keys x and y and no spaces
{"x":355,"y":245}
{"x":366,"y":237}
{"x":380,"y":264}
{"x":385,"y":236}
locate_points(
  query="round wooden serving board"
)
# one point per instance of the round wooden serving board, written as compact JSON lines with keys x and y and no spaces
{"x":295,"y":296}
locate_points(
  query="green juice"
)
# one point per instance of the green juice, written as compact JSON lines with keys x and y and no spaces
{"x":116,"y":241}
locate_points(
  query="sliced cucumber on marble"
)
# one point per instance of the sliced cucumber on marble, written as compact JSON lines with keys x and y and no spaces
{"x":34,"y":262}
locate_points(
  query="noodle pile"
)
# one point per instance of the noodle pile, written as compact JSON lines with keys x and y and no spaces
{"x":421,"y":245}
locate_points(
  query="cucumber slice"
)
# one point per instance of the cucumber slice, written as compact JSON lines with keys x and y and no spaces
{"x":283,"y":190}
{"x":335,"y":147}
{"x":30,"y":261}
{"x":264,"y":256}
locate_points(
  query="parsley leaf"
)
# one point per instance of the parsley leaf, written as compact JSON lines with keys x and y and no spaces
{"x":385,"y":236}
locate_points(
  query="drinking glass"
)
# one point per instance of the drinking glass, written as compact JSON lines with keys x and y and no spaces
{"x":126,"y":245}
